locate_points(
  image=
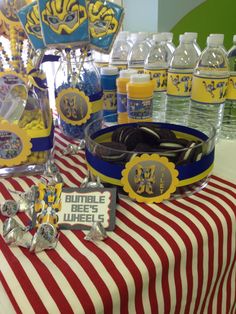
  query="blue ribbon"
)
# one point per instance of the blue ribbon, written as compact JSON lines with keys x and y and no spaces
{"x":50,"y":58}
{"x":42,"y":143}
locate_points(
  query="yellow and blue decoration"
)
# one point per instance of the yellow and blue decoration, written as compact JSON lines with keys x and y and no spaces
{"x":149,"y":178}
{"x":47,"y":205}
{"x":29,"y":17}
{"x":64,"y":22}
{"x":141,"y":170}
{"x":15,"y":145}
{"x":105,"y":19}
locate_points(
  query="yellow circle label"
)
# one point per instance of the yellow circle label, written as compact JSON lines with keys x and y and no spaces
{"x":15,"y":145}
{"x":149,"y":178}
{"x":179,"y":84}
{"x":73,"y":106}
{"x":160,"y":79}
{"x":209,"y":90}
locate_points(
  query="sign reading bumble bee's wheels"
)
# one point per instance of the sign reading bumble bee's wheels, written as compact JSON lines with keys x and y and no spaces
{"x":73,"y":106}
{"x":15,"y":145}
{"x":149,"y":178}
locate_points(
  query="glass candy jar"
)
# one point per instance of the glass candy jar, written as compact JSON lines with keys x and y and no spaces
{"x":26,"y":129}
{"x":78,"y":93}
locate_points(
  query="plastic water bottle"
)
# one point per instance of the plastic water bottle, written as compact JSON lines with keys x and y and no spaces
{"x":156,"y":64}
{"x":179,"y":83}
{"x":228,"y":130}
{"x":210,"y":82}
{"x":108,"y":80}
{"x":194,"y":37}
{"x":120,"y":51}
{"x":139,"y":98}
{"x":138,"y":53}
{"x":169,"y":37}
{"x":121,"y":84}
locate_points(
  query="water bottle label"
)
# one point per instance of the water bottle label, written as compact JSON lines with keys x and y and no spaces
{"x":138,"y":69}
{"x":73,"y":106}
{"x":119,"y":66}
{"x":109,"y":100}
{"x":121,"y":102}
{"x":139,"y":109}
{"x":179,"y":84}
{"x":209,"y":90}
{"x":160,"y":78}
{"x":101,"y":64}
{"x":231,"y":89}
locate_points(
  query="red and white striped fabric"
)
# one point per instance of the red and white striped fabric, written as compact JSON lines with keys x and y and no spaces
{"x":175,"y":257}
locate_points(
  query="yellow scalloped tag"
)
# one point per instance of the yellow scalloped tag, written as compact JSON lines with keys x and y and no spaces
{"x":149,"y":178}
{"x":73,"y":106}
{"x":15,"y":145}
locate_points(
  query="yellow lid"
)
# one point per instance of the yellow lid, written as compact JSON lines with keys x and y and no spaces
{"x":140,"y":86}
{"x":124,"y":78}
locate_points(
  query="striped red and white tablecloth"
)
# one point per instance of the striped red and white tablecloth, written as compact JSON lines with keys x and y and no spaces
{"x":175,"y":257}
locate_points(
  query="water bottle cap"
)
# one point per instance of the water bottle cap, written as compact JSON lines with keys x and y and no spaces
{"x":127,"y":73}
{"x":181,"y":36}
{"x":186,"y":38}
{"x":218,"y":35}
{"x":133,"y":37}
{"x":193,"y":35}
{"x":215,"y":40}
{"x":140,"y":78}
{"x":234,"y":38}
{"x":123,"y":35}
{"x":141,"y":36}
{"x":168,"y":36}
{"x":159,"y":37}
{"x":109,"y":71}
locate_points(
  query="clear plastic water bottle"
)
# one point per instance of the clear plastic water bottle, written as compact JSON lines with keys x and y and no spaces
{"x":120,"y":51}
{"x":138,"y":53}
{"x":169,"y":38}
{"x":179,"y":83}
{"x":210,"y":82}
{"x":228,"y":130}
{"x":156,"y":64}
{"x":194,"y":37}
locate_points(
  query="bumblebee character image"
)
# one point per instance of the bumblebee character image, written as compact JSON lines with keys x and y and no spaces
{"x":9,"y":8}
{"x":145,"y":178}
{"x":32,"y":25}
{"x":64,"y":16}
{"x":48,"y":204}
{"x":102,"y":20}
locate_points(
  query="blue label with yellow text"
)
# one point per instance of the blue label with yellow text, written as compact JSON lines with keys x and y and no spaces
{"x":139,"y":108}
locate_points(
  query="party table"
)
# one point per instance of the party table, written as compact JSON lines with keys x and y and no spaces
{"x":173,"y":257}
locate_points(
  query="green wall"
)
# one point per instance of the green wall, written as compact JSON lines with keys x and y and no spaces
{"x":212,"y":16}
